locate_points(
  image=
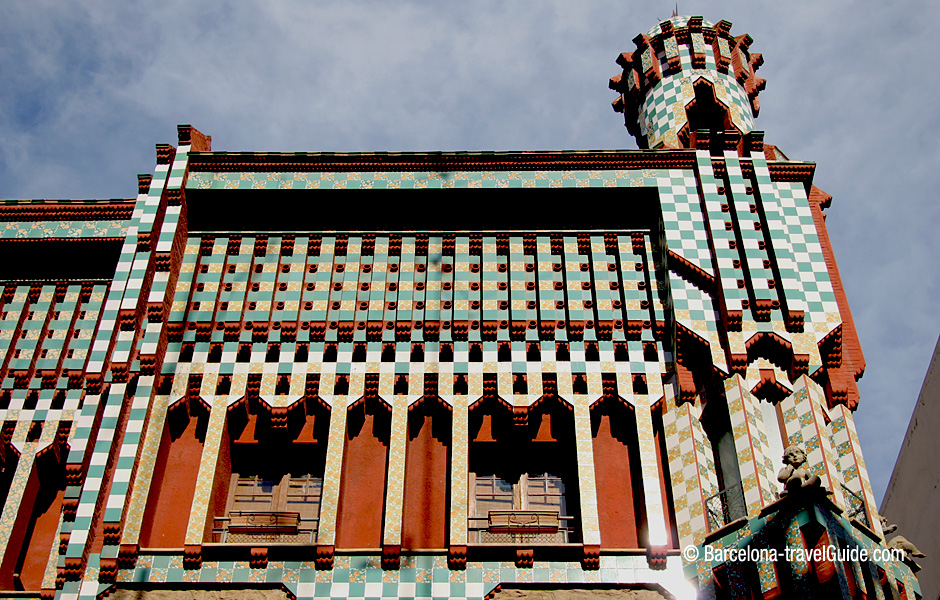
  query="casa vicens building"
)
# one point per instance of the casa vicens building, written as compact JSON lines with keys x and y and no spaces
{"x":445,"y":374}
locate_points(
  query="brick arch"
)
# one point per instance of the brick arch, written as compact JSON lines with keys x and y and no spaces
{"x":619,"y":479}
{"x":34,"y":530}
{"x":488,"y":416}
{"x":173,"y":483}
{"x":770,"y":346}
{"x":425,"y":505}
{"x":363,"y":480}
{"x":304,"y":420}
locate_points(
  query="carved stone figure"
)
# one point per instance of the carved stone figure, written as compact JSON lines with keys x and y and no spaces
{"x":885,"y":527}
{"x":794,"y":476}
{"x":900,"y":542}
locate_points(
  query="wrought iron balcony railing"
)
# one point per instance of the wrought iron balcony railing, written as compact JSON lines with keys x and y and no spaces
{"x":855,"y":506}
{"x":241,"y":527}
{"x":725,"y":506}
{"x":520,"y":526}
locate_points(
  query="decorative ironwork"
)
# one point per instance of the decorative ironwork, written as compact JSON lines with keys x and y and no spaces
{"x":856,"y":506}
{"x":520,"y":526}
{"x":725,"y":506}
{"x":264,"y":527}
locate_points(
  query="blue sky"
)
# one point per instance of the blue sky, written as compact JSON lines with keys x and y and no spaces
{"x":88,"y":88}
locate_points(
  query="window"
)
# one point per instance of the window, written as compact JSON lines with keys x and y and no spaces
{"x":532,"y":509}
{"x":271,"y":489}
{"x":270,"y":509}
{"x":523,"y":476}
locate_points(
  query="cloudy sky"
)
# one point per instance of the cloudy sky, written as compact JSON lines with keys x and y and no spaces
{"x":87,"y":89}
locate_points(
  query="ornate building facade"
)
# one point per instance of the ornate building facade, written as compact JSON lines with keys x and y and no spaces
{"x":319,"y":375}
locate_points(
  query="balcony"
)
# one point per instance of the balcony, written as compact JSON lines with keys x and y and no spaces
{"x":268,"y":527}
{"x":725,"y":507}
{"x":520,"y":526}
{"x":855,"y":506}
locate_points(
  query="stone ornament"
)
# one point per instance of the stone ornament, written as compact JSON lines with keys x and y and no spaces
{"x":899,"y":542}
{"x":794,"y":476}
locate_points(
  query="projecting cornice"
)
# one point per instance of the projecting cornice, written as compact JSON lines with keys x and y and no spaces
{"x":58,"y":210}
{"x":440,"y":161}
{"x":561,"y":160}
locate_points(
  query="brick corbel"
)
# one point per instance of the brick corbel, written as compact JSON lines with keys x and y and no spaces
{"x":591,"y":561}
{"x":656,"y":557}
{"x":192,"y":556}
{"x":457,"y":558}
{"x":525,"y":558}
{"x":391,"y":557}
{"x":324,"y":557}
{"x":108,"y":570}
{"x":127,"y":556}
{"x":258,"y":558}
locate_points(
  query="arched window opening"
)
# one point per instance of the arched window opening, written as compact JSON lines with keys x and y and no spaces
{"x":523,"y":483}
{"x":269,"y":479}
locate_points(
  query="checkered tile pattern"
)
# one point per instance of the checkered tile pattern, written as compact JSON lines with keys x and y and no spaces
{"x":810,"y":267}
{"x":805,"y":419}
{"x":750,"y":441}
{"x":683,"y":218}
{"x":691,"y":467}
{"x":663,"y":114}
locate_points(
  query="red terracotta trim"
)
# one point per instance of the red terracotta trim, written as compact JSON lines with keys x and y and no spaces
{"x":438,"y":161}
{"x":99,"y":210}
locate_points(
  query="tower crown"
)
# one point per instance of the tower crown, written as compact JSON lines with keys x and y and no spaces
{"x":685,"y":75}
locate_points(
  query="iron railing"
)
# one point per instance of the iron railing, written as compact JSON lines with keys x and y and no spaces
{"x":264,"y":527}
{"x":520,"y":527}
{"x":856,"y":506}
{"x":725,"y":506}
